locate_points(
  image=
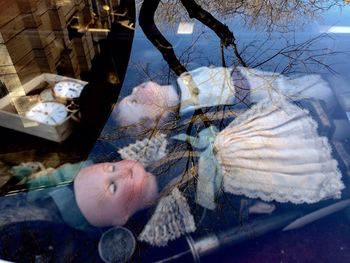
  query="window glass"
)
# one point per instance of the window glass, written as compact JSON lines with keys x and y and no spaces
{"x":158,"y":131}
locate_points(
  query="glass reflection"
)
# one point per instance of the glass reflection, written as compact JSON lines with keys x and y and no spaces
{"x":270,"y":80}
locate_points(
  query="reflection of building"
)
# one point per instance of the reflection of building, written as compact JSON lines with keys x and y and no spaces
{"x":34,"y":39}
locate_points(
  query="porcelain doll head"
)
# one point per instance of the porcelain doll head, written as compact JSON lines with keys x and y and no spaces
{"x":109,"y":193}
{"x":149,"y":105}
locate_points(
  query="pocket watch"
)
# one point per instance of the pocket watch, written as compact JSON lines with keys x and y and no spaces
{"x":66,"y":91}
{"x":51,"y":113}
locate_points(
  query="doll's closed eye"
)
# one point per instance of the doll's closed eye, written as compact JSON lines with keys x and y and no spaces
{"x":113,"y":187}
{"x":111,"y":168}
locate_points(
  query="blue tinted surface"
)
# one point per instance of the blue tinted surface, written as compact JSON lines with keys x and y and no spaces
{"x":321,"y":45}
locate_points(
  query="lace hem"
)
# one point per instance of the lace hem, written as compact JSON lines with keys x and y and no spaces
{"x":331,"y":188}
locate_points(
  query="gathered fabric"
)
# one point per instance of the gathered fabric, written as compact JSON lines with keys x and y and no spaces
{"x":273,"y":152}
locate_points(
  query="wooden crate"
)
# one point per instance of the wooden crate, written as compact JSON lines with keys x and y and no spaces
{"x":10,"y":119}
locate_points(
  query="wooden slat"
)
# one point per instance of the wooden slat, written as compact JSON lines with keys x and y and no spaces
{"x":8,"y":11}
{"x":54,"y":50}
{"x":13,"y":84}
{"x":35,"y":67}
{"x":32,"y":20}
{"x":12,"y":28}
{"x":19,"y":46}
{"x":5,"y":59}
{"x":28,"y":6}
{"x":46,"y":36}
{"x":67,"y":10}
{"x":63,"y":34}
{"x":43,"y":6}
{"x":52,"y":20}
{"x":5,"y":70}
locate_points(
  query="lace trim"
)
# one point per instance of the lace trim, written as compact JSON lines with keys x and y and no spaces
{"x":171,"y":219}
{"x":146,"y":151}
{"x":331,"y":188}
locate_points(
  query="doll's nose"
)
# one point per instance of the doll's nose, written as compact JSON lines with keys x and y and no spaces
{"x":134,"y":90}
{"x":141,"y":86}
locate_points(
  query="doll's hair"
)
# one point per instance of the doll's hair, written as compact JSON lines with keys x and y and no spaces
{"x":165,"y":121}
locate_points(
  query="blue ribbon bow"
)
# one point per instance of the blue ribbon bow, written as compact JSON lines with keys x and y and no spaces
{"x":209,"y":170}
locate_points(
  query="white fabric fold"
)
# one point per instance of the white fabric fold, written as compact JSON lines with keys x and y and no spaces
{"x":205,"y":87}
{"x":273,"y":152}
{"x":264,"y":84}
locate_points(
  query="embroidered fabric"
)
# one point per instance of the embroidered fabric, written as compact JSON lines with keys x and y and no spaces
{"x":147,"y":150}
{"x":273,"y":152}
{"x":171,"y":219}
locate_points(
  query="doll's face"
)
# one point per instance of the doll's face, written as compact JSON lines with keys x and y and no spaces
{"x":109,"y":193}
{"x":149,"y":101}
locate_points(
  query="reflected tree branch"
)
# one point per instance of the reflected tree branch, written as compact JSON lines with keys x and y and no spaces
{"x":146,"y":20}
{"x":222,"y":31}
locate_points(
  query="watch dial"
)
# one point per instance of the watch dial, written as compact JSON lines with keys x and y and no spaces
{"x":50,"y":113}
{"x":68,"y":89}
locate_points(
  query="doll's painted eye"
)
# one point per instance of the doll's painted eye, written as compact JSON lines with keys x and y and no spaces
{"x":113,"y":188}
{"x":111,"y":168}
{"x":133,"y":101}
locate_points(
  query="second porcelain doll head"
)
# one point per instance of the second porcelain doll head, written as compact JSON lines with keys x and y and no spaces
{"x":149,"y":104}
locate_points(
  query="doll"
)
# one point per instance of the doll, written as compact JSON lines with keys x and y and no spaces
{"x":150,"y":104}
{"x":272,"y":151}
{"x":103,"y":194}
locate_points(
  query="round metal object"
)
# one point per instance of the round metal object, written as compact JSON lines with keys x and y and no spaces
{"x":116,"y":245}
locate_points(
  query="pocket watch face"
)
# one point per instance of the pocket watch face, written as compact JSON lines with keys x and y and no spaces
{"x":68,"y":89}
{"x":50,"y":113}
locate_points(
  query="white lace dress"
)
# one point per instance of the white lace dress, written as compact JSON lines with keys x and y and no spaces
{"x":273,"y":152}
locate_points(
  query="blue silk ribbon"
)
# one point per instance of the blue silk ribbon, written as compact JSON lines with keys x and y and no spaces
{"x":209,"y":170}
